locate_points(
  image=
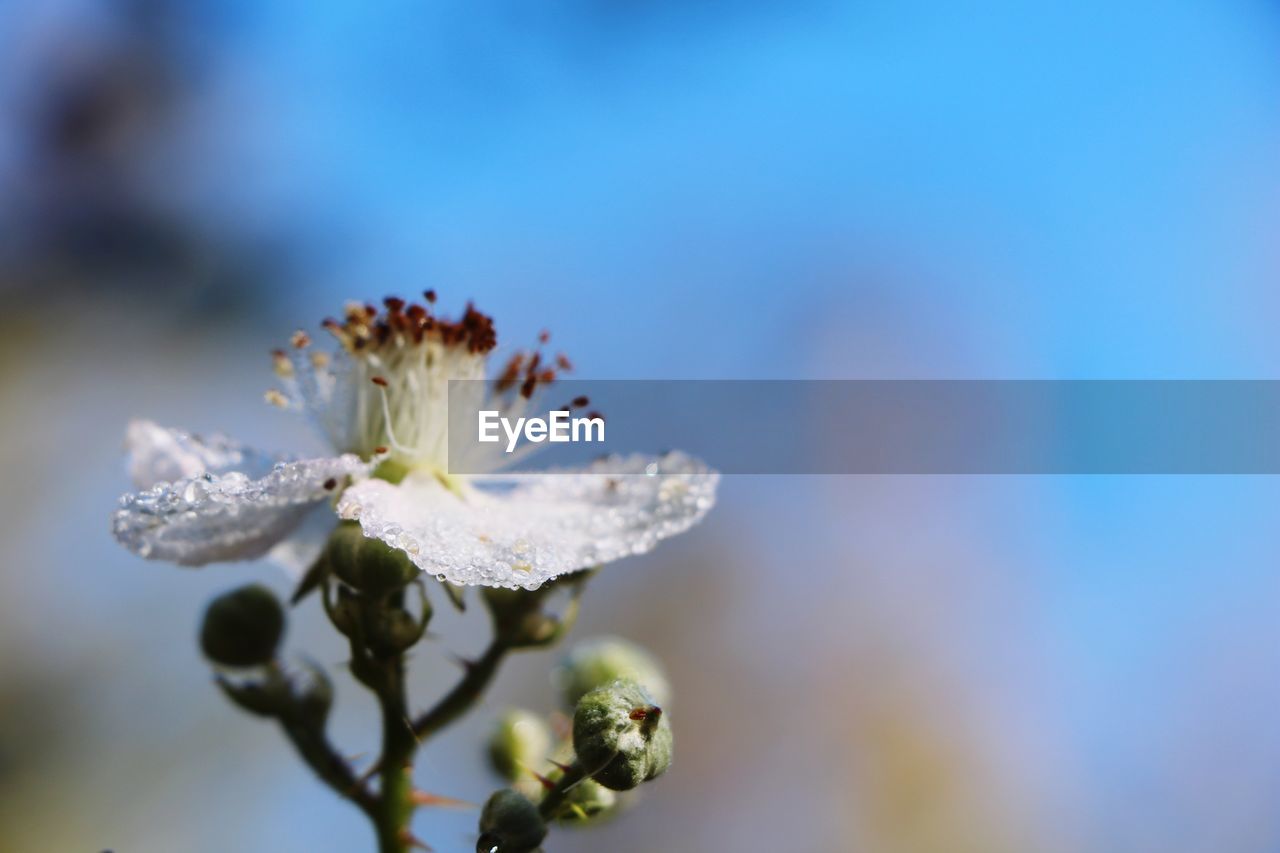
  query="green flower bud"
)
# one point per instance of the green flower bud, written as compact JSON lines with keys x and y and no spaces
{"x":243,"y":627}
{"x":393,"y":630}
{"x":369,"y":565}
{"x":520,"y":742}
{"x":345,"y":613}
{"x":603,"y":660}
{"x":588,"y":802}
{"x":519,"y":619}
{"x":509,"y":823}
{"x":621,"y":737}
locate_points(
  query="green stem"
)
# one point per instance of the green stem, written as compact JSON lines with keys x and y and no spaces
{"x":465,"y":694}
{"x":551,"y":803}
{"x":394,"y":807}
{"x":324,"y":760}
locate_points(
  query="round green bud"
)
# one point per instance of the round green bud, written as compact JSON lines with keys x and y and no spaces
{"x":369,"y":565}
{"x":621,"y":736}
{"x":519,"y":743}
{"x":243,"y":627}
{"x":518,"y":617}
{"x":509,"y":823}
{"x":603,"y":660}
{"x":346,"y":613}
{"x":588,"y":802}
{"x":393,"y":630}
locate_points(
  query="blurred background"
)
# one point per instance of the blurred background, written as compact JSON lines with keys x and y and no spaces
{"x":801,"y":189}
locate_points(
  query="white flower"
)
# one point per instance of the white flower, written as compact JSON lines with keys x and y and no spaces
{"x":380,"y":398}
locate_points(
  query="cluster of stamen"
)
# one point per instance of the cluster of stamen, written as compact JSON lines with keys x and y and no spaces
{"x":365,"y":327}
{"x":385,"y":388}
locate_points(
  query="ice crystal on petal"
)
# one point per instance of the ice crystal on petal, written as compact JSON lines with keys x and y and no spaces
{"x":536,"y":526}
{"x":213,"y":517}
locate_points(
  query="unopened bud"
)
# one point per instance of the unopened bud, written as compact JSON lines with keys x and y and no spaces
{"x":243,"y":627}
{"x":603,"y":660}
{"x":509,"y":823}
{"x":621,"y":736}
{"x":369,"y":565}
{"x":393,"y":630}
{"x":519,"y":743}
{"x":519,"y":619}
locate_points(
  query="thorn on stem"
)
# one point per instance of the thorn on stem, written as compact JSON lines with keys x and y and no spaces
{"x":413,"y":841}
{"x":422,"y":798}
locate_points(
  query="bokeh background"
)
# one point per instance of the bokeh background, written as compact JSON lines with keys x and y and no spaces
{"x":798,"y":189}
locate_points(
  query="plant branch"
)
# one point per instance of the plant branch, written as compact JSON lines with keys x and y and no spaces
{"x":324,"y":760}
{"x":573,"y":774}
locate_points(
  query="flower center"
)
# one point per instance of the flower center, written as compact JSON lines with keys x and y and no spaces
{"x":384,"y":391}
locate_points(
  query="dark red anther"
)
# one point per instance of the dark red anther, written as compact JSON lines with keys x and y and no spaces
{"x":379,"y":381}
{"x":330,"y":484}
{"x":430,"y":296}
{"x":580,"y":402}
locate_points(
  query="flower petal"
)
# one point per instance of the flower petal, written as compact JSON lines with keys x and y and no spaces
{"x":161,"y":455}
{"x":214,"y":517}
{"x":543,"y":525}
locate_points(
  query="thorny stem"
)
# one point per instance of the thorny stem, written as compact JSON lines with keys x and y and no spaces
{"x":391,"y":808}
{"x":395,"y":804}
{"x":401,"y":737}
{"x":324,"y":760}
{"x":550,"y":804}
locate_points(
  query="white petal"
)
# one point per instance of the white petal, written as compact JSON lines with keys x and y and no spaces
{"x":160,"y":455}
{"x":215,"y":517}
{"x":543,"y":526}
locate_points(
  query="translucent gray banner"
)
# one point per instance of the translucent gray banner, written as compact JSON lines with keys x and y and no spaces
{"x":892,"y":426}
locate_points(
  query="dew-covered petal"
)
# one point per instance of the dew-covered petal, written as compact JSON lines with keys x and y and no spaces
{"x":161,"y":455}
{"x":540,"y":525}
{"x":217,"y":517}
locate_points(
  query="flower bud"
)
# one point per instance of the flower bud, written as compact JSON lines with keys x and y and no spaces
{"x":519,"y":619}
{"x":243,"y":627}
{"x":520,"y":742}
{"x":345,"y":613}
{"x":509,"y":823}
{"x":620,"y":736}
{"x":603,"y":660}
{"x":369,"y":565}
{"x":392,"y":630}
